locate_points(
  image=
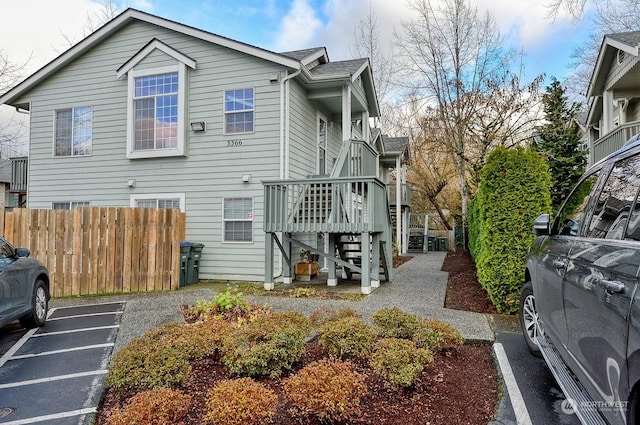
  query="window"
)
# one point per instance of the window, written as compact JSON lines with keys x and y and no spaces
{"x":613,"y":206}
{"x":238,"y":111}
{"x":73,"y":131}
{"x":68,"y":205}
{"x":571,"y":216}
{"x":155,"y":200}
{"x":156,"y":112}
{"x":237,"y":220}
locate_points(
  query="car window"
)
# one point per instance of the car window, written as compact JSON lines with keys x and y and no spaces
{"x":5,"y":249}
{"x":612,"y":208}
{"x":572,"y":213}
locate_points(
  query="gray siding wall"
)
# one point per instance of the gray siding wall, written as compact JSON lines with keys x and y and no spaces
{"x":210,"y":170}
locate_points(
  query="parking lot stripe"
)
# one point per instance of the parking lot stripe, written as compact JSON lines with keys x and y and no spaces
{"x":517,"y":402}
{"x":53,"y":379}
{"x":67,"y":350}
{"x":70,"y":331}
{"x":107,"y":313}
{"x":11,"y":351}
{"x":52,"y":417}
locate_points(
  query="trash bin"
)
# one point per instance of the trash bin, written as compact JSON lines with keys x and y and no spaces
{"x":431,"y":242}
{"x":185,"y":252}
{"x":442,"y":244}
{"x":193,"y":265}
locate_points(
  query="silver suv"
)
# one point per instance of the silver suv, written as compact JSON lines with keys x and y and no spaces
{"x":580,"y":305}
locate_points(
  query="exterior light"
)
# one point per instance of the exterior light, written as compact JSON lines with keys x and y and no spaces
{"x":198,"y":126}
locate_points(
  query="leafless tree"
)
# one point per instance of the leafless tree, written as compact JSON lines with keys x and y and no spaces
{"x":12,"y":129}
{"x":367,"y":44}
{"x":453,"y":59}
{"x":95,"y":20}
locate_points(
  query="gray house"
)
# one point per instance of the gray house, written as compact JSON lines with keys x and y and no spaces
{"x":614,"y":95}
{"x":260,"y":149}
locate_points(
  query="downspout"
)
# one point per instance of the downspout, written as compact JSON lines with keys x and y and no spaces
{"x":284,"y":125}
{"x":399,"y":225}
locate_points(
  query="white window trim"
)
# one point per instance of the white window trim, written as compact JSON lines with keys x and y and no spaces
{"x":143,"y":196}
{"x":55,"y":129}
{"x":182,"y":98}
{"x":71,"y":207}
{"x":326,"y":143}
{"x":224,"y":112}
{"x":253,"y":220}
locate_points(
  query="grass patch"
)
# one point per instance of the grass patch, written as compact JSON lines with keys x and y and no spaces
{"x":293,"y":290}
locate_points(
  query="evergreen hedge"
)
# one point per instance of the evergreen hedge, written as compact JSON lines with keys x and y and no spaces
{"x":513,"y":191}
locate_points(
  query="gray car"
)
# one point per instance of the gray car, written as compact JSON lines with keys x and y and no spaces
{"x":24,"y":287}
{"x":580,"y":305}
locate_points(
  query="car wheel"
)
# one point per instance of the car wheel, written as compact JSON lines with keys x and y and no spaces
{"x":39,"y":306}
{"x":529,"y":318}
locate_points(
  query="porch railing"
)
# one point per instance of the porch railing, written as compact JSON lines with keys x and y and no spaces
{"x":613,"y":141}
{"x":356,"y":159}
{"x":19,"y":174}
{"x":334,"y":205}
{"x":405,"y":194}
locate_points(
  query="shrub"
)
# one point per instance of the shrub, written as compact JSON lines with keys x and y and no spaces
{"x":513,"y":191}
{"x":347,"y":336}
{"x":240,"y":402}
{"x":154,"y":407}
{"x":150,"y":361}
{"x":229,"y":304}
{"x":325,"y":315}
{"x":327,"y":389}
{"x":399,"y":361}
{"x":395,"y":323}
{"x":267,"y":344}
{"x":436,"y":335}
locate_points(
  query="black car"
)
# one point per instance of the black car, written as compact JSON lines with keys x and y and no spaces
{"x":24,"y":287}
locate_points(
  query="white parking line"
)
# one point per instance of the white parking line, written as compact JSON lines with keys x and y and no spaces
{"x":517,"y":402}
{"x":53,"y":379}
{"x":61,"y":415}
{"x":11,"y":351}
{"x":107,"y":313}
{"x":71,"y":331}
{"x":66,"y":350}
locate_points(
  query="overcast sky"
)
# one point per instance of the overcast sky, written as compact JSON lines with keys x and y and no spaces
{"x":37,"y":30}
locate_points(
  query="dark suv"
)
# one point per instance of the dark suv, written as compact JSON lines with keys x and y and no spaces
{"x":580,"y":305}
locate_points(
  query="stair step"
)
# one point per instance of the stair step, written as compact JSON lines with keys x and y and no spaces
{"x":583,"y":403}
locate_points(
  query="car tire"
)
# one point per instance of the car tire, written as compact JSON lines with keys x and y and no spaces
{"x":39,"y":306}
{"x":529,"y":318}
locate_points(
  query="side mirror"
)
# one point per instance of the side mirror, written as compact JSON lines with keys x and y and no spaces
{"x":541,"y":225}
{"x":22,"y":252}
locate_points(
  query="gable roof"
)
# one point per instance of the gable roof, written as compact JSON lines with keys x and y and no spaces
{"x":628,"y":42}
{"x":119,"y":21}
{"x":306,"y":56}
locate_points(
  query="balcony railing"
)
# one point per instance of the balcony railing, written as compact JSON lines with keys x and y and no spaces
{"x":19,"y":175}
{"x":334,"y":205}
{"x":405,"y":194}
{"x":613,"y":141}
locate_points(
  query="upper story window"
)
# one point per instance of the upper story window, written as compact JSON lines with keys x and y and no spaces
{"x":73,"y":131}
{"x":238,"y":111}
{"x":156,"y":112}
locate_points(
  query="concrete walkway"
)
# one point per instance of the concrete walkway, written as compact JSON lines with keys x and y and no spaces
{"x":419,"y":287}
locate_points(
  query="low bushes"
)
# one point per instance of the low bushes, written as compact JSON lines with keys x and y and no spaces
{"x":267,"y":345}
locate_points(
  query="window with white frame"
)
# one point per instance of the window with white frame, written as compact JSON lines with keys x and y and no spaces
{"x":156,"y":112}
{"x":73,"y":131}
{"x":237,"y":218}
{"x":165,"y":200}
{"x":68,"y":205}
{"x":238,"y":111}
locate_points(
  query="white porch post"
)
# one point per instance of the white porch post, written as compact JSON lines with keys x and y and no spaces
{"x":607,"y":113}
{"x":346,"y":112}
{"x":398,"y":205}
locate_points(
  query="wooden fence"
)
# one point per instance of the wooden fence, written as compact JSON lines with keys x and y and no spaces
{"x":101,"y":250}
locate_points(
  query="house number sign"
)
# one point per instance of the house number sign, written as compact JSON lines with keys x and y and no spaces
{"x":234,"y":143}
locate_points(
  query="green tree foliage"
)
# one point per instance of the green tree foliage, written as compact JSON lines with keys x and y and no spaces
{"x":513,"y":191}
{"x":559,"y":142}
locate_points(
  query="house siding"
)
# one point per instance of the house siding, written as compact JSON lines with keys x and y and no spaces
{"x":208,"y":172}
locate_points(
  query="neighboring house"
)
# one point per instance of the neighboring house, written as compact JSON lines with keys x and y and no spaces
{"x":147,"y":112}
{"x":614,"y":95}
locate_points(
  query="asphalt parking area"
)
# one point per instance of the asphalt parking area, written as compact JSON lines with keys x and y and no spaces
{"x":55,"y":374}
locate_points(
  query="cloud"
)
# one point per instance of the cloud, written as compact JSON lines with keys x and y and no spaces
{"x":298,"y":27}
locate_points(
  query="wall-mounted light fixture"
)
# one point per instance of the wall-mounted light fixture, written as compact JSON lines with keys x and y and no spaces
{"x":198,"y":126}
{"x":274,"y":77}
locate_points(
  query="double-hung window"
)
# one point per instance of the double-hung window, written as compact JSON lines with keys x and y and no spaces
{"x":238,"y":111}
{"x":73,"y":131}
{"x":237,"y":218}
{"x":68,"y":205}
{"x":156,"y":112}
{"x":157,"y":201}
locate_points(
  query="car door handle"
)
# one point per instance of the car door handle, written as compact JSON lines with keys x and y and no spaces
{"x":614,"y":286}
